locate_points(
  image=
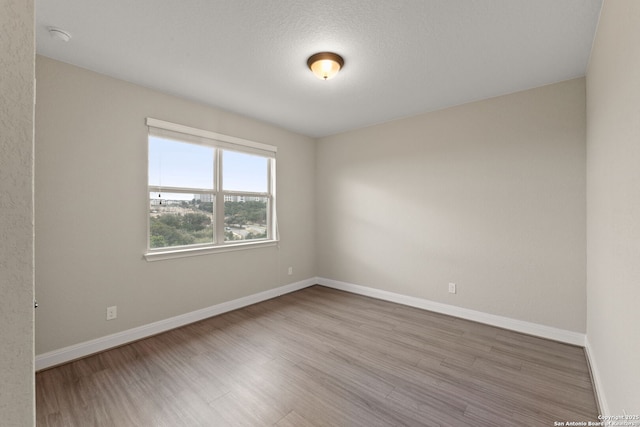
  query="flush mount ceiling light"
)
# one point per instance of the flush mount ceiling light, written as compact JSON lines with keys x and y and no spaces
{"x":325,"y":65}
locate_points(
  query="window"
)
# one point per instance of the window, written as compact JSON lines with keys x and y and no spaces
{"x":207,"y":192}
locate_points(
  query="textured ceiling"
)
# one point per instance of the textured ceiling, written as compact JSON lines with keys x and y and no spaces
{"x":401,"y":57}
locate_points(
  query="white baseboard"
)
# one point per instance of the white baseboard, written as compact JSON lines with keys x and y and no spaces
{"x":569,"y":337}
{"x":597,"y":381}
{"x":67,"y":354}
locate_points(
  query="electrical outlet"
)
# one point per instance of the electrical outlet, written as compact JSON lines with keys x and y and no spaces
{"x":112,"y":312}
{"x":290,"y":271}
{"x":452,"y":288}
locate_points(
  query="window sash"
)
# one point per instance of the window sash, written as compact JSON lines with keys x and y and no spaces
{"x":270,"y":208}
{"x":176,"y":206}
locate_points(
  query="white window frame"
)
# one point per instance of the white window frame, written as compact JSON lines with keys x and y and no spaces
{"x":219,"y":143}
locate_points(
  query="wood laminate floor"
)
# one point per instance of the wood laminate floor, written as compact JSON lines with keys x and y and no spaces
{"x":321,"y":357}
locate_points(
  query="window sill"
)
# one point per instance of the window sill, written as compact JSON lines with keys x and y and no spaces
{"x":189,"y":252}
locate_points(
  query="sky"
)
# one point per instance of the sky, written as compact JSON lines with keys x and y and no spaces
{"x":180,"y":164}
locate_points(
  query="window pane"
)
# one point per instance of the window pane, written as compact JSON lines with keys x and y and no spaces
{"x":178,"y":219}
{"x":245,"y":217}
{"x":179,"y":164}
{"x":244,"y":172}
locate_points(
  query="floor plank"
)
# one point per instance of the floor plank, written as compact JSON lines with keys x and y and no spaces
{"x":322,"y":357}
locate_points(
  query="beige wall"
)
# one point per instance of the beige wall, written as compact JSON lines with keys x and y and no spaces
{"x":613,"y":205}
{"x":489,"y":195}
{"x":17,"y":52}
{"x":91,"y":208}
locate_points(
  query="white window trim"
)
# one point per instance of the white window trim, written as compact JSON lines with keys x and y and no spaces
{"x":156,"y":127}
{"x":161,"y":124}
{"x":182,"y":252}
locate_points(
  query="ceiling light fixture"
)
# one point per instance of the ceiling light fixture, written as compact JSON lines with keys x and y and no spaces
{"x":59,"y":34}
{"x":325,"y":65}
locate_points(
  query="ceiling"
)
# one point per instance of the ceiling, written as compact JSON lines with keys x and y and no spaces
{"x":402,"y":57}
